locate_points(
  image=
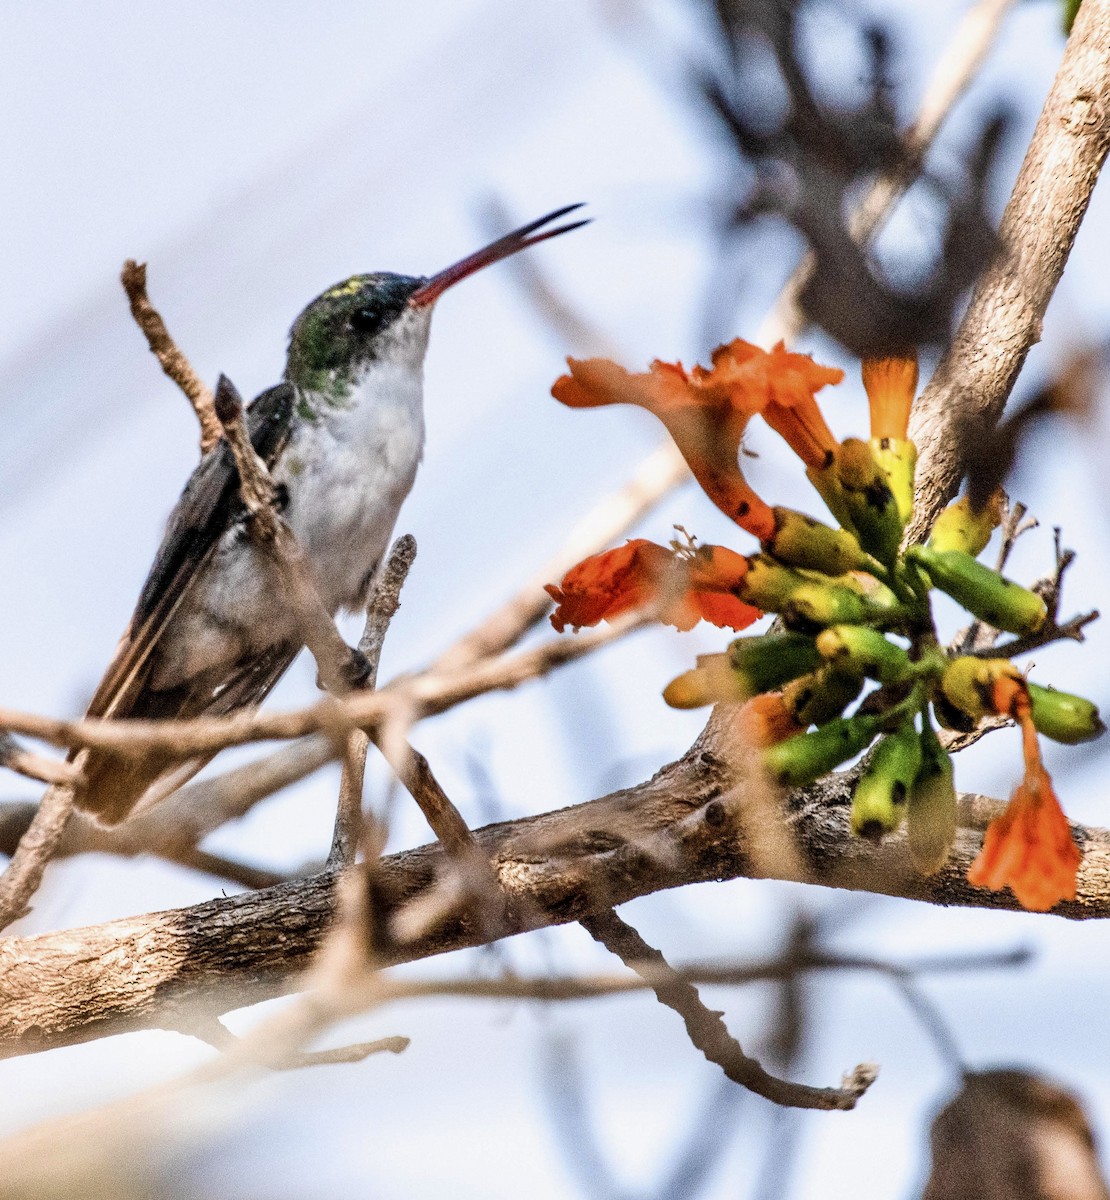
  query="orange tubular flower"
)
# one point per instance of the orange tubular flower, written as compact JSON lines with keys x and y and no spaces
{"x":689,"y":586}
{"x":781,"y":385}
{"x":1029,"y":847}
{"x":706,"y":425}
{"x":890,"y":384}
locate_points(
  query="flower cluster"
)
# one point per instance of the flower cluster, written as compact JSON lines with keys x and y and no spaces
{"x":857,"y":662}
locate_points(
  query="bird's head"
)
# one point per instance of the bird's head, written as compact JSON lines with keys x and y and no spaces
{"x":384,"y":317}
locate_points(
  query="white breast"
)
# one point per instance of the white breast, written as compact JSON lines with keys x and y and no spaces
{"x":348,"y":472}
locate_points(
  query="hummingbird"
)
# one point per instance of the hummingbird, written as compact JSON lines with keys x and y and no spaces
{"x":342,"y":435}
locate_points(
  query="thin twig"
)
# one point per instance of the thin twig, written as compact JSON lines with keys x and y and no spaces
{"x":245,"y":874}
{"x":380,"y":611}
{"x":36,"y":766}
{"x":1070,"y":630}
{"x":36,"y":848}
{"x":340,"y":668}
{"x":216,"y":1034}
{"x":430,"y":694}
{"x":163,"y":347}
{"x":708,"y":1032}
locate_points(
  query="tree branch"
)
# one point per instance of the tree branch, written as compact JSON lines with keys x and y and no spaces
{"x":970,"y":387}
{"x":162,"y":968}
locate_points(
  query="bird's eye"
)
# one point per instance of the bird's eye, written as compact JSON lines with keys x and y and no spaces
{"x":366,"y":320}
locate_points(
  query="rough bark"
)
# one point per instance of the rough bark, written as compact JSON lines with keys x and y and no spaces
{"x":172,"y":968}
{"x":1038,"y":229}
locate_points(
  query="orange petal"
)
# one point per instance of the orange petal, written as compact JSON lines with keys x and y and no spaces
{"x":714,"y":576}
{"x":781,"y":385}
{"x":890,"y":384}
{"x":804,"y":430}
{"x":690,"y":587}
{"x":1029,"y":848}
{"x":704,"y":423}
{"x":606,"y":585}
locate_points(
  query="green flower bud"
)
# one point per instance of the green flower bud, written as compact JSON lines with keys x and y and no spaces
{"x":968,"y":683}
{"x":751,"y":665}
{"x":828,"y":486}
{"x":1064,"y":717}
{"x":869,"y":500}
{"x":767,"y":662}
{"x":999,"y":602}
{"x":959,"y":527}
{"x":807,"y":756}
{"x":802,"y":541}
{"x":897,"y":457}
{"x":825,"y":604}
{"x":867,"y":650}
{"x":879,"y":801}
{"x":769,"y":584}
{"x":819,"y":697}
{"x":842,"y":600}
{"x":931,"y":810}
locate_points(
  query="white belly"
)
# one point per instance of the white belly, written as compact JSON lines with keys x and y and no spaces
{"x":347,"y":473}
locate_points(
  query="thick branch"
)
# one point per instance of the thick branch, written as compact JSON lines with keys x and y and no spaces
{"x":1053,"y":188}
{"x":159,"y":968}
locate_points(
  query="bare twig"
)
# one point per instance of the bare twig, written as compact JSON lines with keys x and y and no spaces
{"x":1070,"y":630}
{"x":381,"y":610}
{"x":708,"y":1032}
{"x":36,"y":848}
{"x":36,"y":766}
{"x":966,"y":395}
{"x":245,"y":874}
{"x":216,"y":1034}
{"x":355,"y":1053}
{"x":1014,"y":526}
{"x":340,"y":668}
{"x":430,"y":694}
{"x":163,"y":347}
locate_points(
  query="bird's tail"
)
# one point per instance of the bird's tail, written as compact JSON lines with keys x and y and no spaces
{"x":115,"y":783}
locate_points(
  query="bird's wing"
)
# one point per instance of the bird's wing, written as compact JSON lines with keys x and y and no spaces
{"x":206,"y":508}
{"x":208,"y":505}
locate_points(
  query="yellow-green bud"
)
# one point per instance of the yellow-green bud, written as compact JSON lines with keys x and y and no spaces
{"x":866,"y":649}
{"x":869,"y":500}
{"x":807,"y":756}
{"x":1063,"y":716}
{"x":898,"y":458}
{"x":879,"y":801}
{"x":767,"y":662}
{"x":932,"y":807}
{"x":750,"y":666}
{"x":968,"y":683}
{"x":959,"y":527}
{"x":999,"y":602}
{"x":769,"y":584}
{"x":829,"y":488}
{"x":819,"y":697}
{"x":802,"y":541}
{"x":825,"y":604}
